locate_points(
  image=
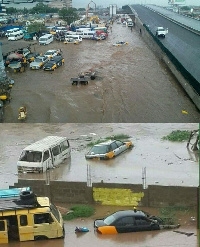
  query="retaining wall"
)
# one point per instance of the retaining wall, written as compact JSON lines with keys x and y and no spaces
{"x":113,"y":194}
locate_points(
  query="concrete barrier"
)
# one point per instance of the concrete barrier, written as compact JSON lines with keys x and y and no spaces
{"x":113,"y":194}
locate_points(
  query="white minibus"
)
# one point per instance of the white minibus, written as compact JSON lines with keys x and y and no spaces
{"x":88,"y":34}
{"x":16,"y":35}
{"x":74,"y":36}
{"x":46,"y":39}
{"x":8,"y":32}
{"x":44,"y":154}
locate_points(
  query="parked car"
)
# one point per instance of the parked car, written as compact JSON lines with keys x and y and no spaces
{"x":120,"y":43}
{"x":71,"y":41}
{"x":108,"y":149}
{"x":31,"y":56}
{"x":54,"y":63}
{"x":51,"y":53}
{"x":24,"y":51}
{"x":39,"y":62}
{"x":130,"y":221}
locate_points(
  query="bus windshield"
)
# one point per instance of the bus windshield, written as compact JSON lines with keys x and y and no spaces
{"x":55,"y":212}
{"x":31,"y":156}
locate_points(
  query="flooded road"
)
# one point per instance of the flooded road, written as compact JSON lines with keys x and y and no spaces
{"x":163,"y":160}
{"x":132,"y":85}
{"x":165,"y":238}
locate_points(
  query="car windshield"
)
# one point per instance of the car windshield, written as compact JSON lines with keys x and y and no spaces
{"x":38,"y":60}
{"x":99,"y":149}
{"x":49,"y":53}
{"x":109,"y":220}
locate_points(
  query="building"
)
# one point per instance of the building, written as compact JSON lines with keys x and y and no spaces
{"x":61,"y":4}
{"x":2,"y":9}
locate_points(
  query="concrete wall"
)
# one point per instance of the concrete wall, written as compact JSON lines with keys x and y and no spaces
{"x":163,"y":57}
{"x":113,"y":194}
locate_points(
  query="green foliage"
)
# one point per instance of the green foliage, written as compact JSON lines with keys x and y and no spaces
{"x":177,"y":136}
{"x":41,"y":8}
{"x":68,"y":15}
{"x":168,"y":214}
{"x":81,"y":9}
{"x":114,"y":137}
{"x":185,"y":8}
{"x":36,"y":27}
{"x":79,"y":211}
{"x":11,"y":10}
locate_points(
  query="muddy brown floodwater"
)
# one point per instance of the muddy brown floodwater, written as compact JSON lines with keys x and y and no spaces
{"x":163,"y":238}
{"x":163,"y":159}
{"x":132,"y":85}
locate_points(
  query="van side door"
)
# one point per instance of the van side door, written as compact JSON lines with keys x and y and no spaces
{"x":65,"y":149}
{"x":25,"y":225}
{"x":3,"y":232}
{"x":56,"y":155}
{"x":47,"y":160}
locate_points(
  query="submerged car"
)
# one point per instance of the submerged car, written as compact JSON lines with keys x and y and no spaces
{"x":31,"y":56}
{"x":54,"y":63}
{"x":39,"y":62}
{"x":71,"y":41}
{"x":130,"y":221}
{"x":120,"y":43}
{"x":108,"y":150}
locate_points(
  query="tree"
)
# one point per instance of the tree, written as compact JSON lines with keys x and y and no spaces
{"x":11,"y":11}
{"x":36,"y":27}
{"x":81,"y":9}
{"x":68,"y":15}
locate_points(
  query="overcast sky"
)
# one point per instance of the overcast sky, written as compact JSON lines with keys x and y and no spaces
{"x":106,"y":3}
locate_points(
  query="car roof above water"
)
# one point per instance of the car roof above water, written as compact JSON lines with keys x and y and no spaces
{"x":129,"y":213}
{"x":105,"y":143}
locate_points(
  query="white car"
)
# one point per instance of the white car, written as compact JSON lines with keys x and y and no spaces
{"x":39,"y":62}
{"x":120,"y":43}
{"x":51,"y":53}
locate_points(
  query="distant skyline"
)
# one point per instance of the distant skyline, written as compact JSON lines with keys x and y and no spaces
{"x":120,"y":3}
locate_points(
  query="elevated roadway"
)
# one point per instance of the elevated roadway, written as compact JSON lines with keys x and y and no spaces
{"x":183,"y":43}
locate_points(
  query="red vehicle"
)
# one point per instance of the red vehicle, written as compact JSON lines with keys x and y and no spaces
{"x":99,"y":32}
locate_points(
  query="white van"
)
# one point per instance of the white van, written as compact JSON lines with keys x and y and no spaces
{"x":44,"y":154}
{"x":73,"y":36}
{"x":88,"y":34}
{"x":46,"y":39}
{"x":13,"y":30}
{"x":16,"y":35}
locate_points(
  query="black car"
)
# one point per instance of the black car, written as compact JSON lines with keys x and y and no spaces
{"x":127,"y":221}
{"x":31,"y":56}
{"x":54,"y":63}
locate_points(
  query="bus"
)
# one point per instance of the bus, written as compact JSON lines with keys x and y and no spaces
{"x":44,"y":154}
{"x":24,"y":217}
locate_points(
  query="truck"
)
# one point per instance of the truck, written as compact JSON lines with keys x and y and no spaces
{"x":25,"y":217}
{"x":161,"y":32}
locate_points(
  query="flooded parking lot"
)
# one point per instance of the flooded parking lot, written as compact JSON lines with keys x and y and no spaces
{"x":163,"y":160}
{"x":132,"y":85}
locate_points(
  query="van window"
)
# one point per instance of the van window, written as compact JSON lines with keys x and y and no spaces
{"x":42,"y":218}
{"x":2,"y":226}
{"x":46,"y":155}
{"x":64,"y":145}
{"x":23,"y":220}
{"x":56,"y":150}
{"x":55,"y":212}
{"x":30,"y":156}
